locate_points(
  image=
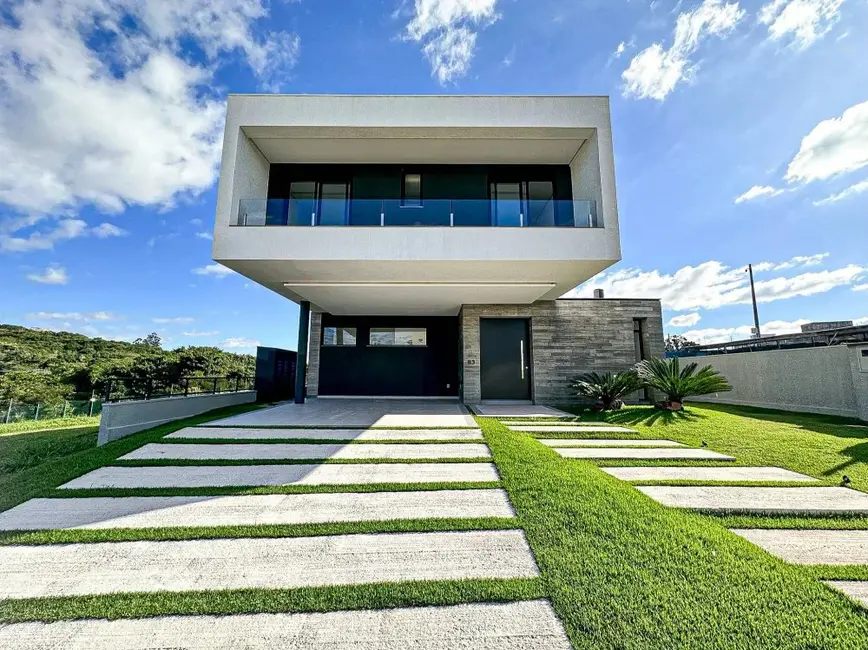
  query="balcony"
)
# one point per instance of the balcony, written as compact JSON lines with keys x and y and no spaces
{"x":430,"y":212}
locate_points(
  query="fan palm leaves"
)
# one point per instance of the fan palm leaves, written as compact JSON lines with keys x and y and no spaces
{"x":607,"y":388}
{"x":668,"y":377}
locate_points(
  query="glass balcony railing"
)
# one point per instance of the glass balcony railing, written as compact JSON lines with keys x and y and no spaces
{"x":433,"y":212}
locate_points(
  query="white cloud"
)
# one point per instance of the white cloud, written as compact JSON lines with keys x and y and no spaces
{"x":43,"y":239}
{"x":446,"y":30}
{"x":655,"y":71}
{"x":835,"y":146}
{"x":196,"y":222}
{"x":860,"y":287}
{"x":239,"y":343}
{"x":721,"y":334}
{"x":684,"y":320}
{"x":217,"y":270}
{"x":101,"y":104}
{"x":177,"y":319}
{"x":802,"y":21}
{"x":794,"y":262}
{"x":97,"y":316}
{"x":204,"y":235}
{"x":622,"y":46}
{"x":201,"y":333}
{"x":758,"y":191}
{"x":51,"y":275}
{"x":711,"y":285}
{"x":853,"y":190}
{"x":106,"y":230}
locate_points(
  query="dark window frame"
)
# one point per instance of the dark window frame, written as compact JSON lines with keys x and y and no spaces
{"x":404,"y":204}
{"x":395,"y":331}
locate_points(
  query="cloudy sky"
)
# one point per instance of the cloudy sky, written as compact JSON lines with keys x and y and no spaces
{"x":741,"y":136}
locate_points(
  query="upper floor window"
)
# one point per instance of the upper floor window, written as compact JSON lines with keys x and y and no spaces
{"x":411,"y":191}
{"x":339,"y":336}
{"x":398,"y":336}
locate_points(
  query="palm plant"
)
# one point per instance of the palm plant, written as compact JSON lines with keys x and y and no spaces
{"x":606,"y":389}
{"x":668,"y":377}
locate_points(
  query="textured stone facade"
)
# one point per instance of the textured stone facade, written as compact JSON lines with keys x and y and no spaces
{"x":313,"y":354}
{"x":568,"y":338}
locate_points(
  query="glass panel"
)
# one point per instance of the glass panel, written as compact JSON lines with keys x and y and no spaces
{"x":398,"y":336}
{"x":432,"y":213}
{"x":506,"y":204}
{"x":302,"y":203}
{"x":333,"y":204}
{"x":412,"y":191}
{"x":339,"y":336}
{"x":540,"y":203}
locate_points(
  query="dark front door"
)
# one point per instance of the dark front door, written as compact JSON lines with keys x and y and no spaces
{"x":504,"y":358}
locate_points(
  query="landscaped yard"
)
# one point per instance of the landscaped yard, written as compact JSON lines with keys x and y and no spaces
{"x":27,"y":444}
{"x":621,"y":570}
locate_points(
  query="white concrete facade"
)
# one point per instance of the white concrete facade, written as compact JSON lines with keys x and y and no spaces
{"x":430,"y":270}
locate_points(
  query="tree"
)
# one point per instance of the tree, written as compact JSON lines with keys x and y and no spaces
{"x":152,"y":340}
{"x":668,"y":377}
{"x":675,"y":342}
{"x":607,"y":389}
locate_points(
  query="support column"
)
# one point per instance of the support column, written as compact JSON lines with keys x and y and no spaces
{"x":301,"y":358}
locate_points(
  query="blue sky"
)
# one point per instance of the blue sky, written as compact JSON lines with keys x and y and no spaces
{"x":740,"y":128}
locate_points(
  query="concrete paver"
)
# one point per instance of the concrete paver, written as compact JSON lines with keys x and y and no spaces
{"x":705,"y":474}
{"x":273,"y":475}
{"x":627,"y":453}
{"x":252,"y":510}
{"x":523,"y":625}
{"x":358,"y":413}
{"x":856,"y":589}
{"x":571,"y":428}
{"x":360,"y":435}
{"x":518,"y":411}
{"x":811,"y":546}
{"x":770,"y":500}
{"x":277,"y":451}
{"x":600,"y":442}
{"x":102,"y":568}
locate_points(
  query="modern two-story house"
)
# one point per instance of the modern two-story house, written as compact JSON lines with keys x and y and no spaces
{"x":427,"y":240}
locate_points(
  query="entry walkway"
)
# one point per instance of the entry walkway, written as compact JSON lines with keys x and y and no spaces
{"x":325,"y":412}
{"x":372,"y":471}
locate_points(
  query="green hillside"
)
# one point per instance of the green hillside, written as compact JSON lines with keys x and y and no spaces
{"x":42,"y":366}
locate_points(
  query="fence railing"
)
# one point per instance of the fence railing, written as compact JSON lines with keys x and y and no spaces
{"x":10,"y":411}
{"x":141,"y":388}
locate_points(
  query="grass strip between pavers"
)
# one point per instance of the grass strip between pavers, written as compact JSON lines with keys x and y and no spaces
{"x":32,"y":482}
{"x":333,"y":426}
{"x":226,"y":532}
{"x":188,"y":462}
{"x":240,"y":601}
{"x":806,"y":522}
{"x":268,"y":489}
{"x":624,"y":572}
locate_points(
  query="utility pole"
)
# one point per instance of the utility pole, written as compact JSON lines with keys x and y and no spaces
{"x":753,"y":298}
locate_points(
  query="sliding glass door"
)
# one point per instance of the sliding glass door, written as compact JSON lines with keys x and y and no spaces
{"x":525,"y":203}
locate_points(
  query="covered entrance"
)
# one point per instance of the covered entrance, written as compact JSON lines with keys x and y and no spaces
{"x":505,"y":358}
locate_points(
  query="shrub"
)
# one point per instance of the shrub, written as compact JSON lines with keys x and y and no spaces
{"x":668,"y":377}
{"x":606,"y":389}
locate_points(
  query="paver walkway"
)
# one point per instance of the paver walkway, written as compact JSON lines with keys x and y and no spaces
{"x":734,"y":474}
{"x":767,"y":500}
{"x":158,"y":451}
{"x":103,"y":568}
{"x":628,"y":453}
{"x":270,"y":475}
{"x":361,"y":435}
{"x":530,"y":625}
{"x":560,"y":428}
{"x":253,"y":510}
{"x":601,"y":442}
{"x":811,"y":546}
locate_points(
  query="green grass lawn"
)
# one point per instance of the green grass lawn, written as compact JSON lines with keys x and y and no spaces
{"x":24,"y":447}
{"x":819,"y":446}
{"x":624,"y":572}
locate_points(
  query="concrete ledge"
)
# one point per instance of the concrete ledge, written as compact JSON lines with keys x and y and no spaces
{"x":121,"y":419}
{"x":527,"y":625}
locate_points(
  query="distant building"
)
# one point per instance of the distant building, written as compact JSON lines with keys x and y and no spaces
{"x":826,"y":325}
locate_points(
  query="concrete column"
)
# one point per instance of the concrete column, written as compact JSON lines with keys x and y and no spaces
{"x":301,"y":359}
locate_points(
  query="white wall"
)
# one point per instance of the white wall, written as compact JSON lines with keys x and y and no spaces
{"x":811,"y":380}
{"x":121,"y":419}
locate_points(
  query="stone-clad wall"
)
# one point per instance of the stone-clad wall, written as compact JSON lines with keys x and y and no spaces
{"x":568,"y":338}
{"x":313,"y":354}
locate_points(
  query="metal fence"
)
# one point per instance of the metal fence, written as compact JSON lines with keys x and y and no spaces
{"x":119,"y":389}
{"x":18,"y":412}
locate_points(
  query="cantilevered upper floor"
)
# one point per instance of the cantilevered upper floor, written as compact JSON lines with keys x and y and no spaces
{"x":416,"y":204}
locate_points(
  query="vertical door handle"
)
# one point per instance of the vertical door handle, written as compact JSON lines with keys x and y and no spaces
{"x":521,"y":356}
